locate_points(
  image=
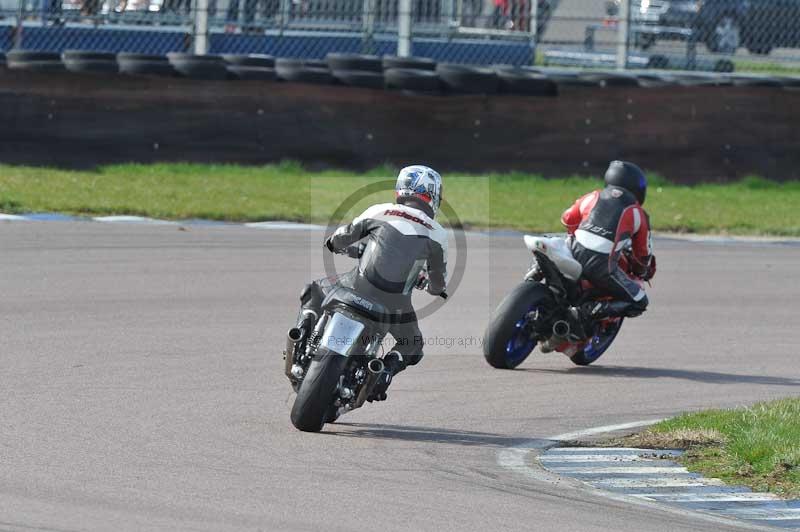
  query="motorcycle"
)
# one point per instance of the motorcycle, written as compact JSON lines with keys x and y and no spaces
{"x":537,"y":311}
{"x":333,"y":360}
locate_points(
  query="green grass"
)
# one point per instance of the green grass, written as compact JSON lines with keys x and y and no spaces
{"x":772,"y":68}
{"x":289,"y":192}
{"x":758,"y":446}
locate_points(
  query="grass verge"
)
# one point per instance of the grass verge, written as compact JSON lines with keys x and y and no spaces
{"x":757,"y":446}
{"x":767,"y":68}
{"x":289,"y":192}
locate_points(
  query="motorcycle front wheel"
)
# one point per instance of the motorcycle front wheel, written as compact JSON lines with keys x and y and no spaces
{"x":508,"y":339}
{"x":312,"y":407}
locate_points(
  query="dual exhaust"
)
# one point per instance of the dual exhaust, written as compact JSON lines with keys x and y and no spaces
{"x":297,"y":335}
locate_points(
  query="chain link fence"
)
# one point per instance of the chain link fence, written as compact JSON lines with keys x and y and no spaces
{"x":462,"y":31}
{"x":744,"y":35}
{"x":721,"y":35}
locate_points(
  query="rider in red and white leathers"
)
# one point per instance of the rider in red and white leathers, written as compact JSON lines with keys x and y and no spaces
{"x":612,"y":238}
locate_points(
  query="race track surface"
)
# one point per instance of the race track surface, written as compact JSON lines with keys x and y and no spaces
{"x":142,"y":386}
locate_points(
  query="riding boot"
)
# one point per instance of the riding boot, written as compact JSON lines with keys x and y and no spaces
{"x":612,"y":309}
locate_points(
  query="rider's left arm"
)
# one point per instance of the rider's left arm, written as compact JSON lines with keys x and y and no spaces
{"x":351,"y":233}
{"x":347,"y":235}
{"x":437,"y":267}
{"x":644,"y":263}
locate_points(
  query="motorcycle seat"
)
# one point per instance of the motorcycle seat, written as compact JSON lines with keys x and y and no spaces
{"x":557,"y":250}
{"x":351,"y":298}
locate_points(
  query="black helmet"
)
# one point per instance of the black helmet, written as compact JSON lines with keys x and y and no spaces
{"x":628,"y":176}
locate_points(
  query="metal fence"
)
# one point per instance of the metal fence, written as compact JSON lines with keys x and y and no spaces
{"x":703,"y":34}
{"x":746,"y":35}
{"x":464,"y":31}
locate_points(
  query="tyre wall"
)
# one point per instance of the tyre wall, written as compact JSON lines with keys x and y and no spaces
{"x":687,"y":134}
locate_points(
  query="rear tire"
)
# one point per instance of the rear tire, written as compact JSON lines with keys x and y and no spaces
{"x":503,"y":325}
{"x":314,"y":402}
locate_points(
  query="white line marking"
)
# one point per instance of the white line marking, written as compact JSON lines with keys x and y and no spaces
{"x":12,"y":218}
{"x":656,"y":482}
{"x":593,"y":470}
{"x":285,"y":225}
{"x":602,"y":430}
{"x":132,"y":220}
{"x":607,"y":450}
{"x":708,"y":497}
{"x":578,"y":458}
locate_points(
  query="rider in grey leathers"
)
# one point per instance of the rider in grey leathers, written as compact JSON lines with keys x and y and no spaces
{"x":401,"y":246}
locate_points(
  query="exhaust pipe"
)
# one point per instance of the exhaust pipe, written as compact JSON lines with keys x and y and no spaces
{"x":294,"y":336}
{"x":376,"y":365}
{"x":375,"y":369}
{"x":299,"y":333}
{"x":288,"y":355}
{"x":561,"y":329}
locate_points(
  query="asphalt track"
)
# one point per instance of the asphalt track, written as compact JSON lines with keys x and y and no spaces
{"x":142,"y":387}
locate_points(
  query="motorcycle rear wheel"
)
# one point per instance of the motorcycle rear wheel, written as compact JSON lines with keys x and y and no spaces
{"x":313,"y":406}
{"x":506,"y":342}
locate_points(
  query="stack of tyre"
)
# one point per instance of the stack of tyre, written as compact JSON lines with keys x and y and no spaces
{"x":414,"y":74}
{"x":303,"y":71}
{"x":34,"y":61}
{"x":409,"y":74}
{"x":356,"y":70}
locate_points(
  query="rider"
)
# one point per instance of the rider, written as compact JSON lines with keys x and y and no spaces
{"x":607,"y":224}
{"x":394,"y":242}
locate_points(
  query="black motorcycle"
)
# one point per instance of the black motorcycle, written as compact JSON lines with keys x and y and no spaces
{"x":537,"y":311}
{"x":333,"y":361}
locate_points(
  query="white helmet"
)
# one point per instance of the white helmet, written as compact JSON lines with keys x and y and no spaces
{"x":420,"y":182}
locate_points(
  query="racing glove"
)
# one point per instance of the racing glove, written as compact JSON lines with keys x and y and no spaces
{"x":651,"y":268}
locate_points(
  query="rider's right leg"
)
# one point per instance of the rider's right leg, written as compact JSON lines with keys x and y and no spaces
{"x":407,"y":351}
{"x":628,"y":297}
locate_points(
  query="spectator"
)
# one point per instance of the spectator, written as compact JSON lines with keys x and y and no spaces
{"x":511,"y":15}
{"x":90,"y":8}
{"x":267,"y":8}
{"x":51,"y":12}
{"x":501,"y":18}
{"x":473,"y":11}
{"x":177,"y":6}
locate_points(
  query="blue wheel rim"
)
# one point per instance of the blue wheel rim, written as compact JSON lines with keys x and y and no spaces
{"x":520,"y":345}
{"x":601,"y":342}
